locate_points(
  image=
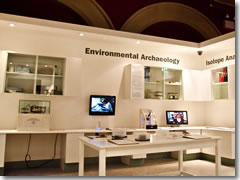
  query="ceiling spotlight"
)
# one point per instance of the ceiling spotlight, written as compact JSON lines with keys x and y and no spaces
{"x":45,"y":66}
{"x":227,"y":16}
{"x":11,"y":25}
{"x":81,"y":34}
{"x":210,"y":5}
{"x":27,"y":65}
{"x":138,"y":42}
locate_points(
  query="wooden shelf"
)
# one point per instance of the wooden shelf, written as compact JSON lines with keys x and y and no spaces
{"x":154,"y":82}
{"x":48,"y":75}
{"x":220,"y":83}
{"x":173,"y":84}
{"x":19,"y":73}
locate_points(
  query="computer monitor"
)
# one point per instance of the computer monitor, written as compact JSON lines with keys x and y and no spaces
{"x":102,"y":105}
{"x":176,"y":117}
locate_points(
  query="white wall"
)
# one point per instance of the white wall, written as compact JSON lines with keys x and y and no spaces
{"x":88,"y":74}
{"x":220,"y":113}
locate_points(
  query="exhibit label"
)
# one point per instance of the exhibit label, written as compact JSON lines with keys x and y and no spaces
{"x":220,"y":60}
{"x":130,"y":55}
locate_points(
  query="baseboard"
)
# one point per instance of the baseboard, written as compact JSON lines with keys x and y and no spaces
{"x":224,"y":161}
{"x":208,"y":157}
{"x":33,"y":163}
{"x":159,"y":155}
{"x":1,"y":171}
{"x":73,"y":167}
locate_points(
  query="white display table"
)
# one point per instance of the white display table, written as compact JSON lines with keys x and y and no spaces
{"x":108,"y":149}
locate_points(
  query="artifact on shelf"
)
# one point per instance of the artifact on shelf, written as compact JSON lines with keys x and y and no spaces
{"x":46,"y":70}
{"x":158,"y":94}
{"x":172,"y":95}
{"x":173,"y":82}
{"x":14,"y":89}
{"x":22,"y":69}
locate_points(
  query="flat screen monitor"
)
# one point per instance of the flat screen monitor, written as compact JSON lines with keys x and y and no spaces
{"x":102,"y":105}
{"x":176,"y":117}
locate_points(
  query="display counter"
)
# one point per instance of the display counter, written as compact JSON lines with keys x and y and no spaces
{"x":69,"y":139}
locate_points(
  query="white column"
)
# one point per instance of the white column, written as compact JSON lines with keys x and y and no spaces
{"x":2,"y":149}
{"x":102,"y":162}
{"x":81,"y":159}
{"x":218,"y":157}
{"x":180,"y":160}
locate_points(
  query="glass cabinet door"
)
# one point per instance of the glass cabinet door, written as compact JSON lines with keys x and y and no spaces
{"x":50,"y":76}
{"x":172,"y":84}
{"x":162,"y":83}
{"x":20,"y":73}
{"x":220,"y":83}
{"x":153,"y":86}
{"x":34,"y":74}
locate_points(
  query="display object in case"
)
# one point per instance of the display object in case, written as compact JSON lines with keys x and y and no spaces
{"x":34,"y":115}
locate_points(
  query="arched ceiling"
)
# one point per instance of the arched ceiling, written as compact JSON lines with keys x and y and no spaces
{"x":148,"y":17}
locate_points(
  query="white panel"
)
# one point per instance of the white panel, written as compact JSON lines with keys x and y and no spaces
{"x":72,"y":82}
{"x":231,"y":81}
{"x":72,"y":147}
{"x":137,"y":81}
{"x":227,"y":143}
{"x":3,"y":67}
{"x":2,"y":149}
{"x":206,"y":94}
{"x":196,"y":85}
{"x":127,"y":81}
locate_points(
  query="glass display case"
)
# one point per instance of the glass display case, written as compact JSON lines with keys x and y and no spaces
{"x":162,"y":83}
{"x":34,"y":107}
{"x":220,"y":83}
{"x":34,"y":74}
{"x":34,"y":115}
{"x":20,"y":73}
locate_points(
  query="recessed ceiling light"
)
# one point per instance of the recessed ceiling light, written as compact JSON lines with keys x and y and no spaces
{"x":138,"y":42}
{"x":45,"y":66}
{"x":81,"y":34}
{"x":10,"y":63}
{"x":11,"y":25}
{"x":27,"y":65}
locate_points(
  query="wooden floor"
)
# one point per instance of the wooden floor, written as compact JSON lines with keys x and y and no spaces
{"x":151,"y":167}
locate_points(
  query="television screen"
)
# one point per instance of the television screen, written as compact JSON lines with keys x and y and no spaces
{"x":102,"y":105}
{"x":177,"y":117}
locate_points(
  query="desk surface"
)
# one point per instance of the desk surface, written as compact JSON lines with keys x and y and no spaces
{"x":154,"y":140}
{"x":61,"y":131}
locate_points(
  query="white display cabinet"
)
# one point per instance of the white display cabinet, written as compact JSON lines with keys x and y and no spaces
{"x":34,"y":74}
{"x":220,"y":83}
{"x":162,"y":83}
{"x":33,"y":115}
